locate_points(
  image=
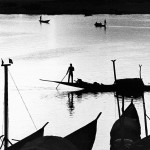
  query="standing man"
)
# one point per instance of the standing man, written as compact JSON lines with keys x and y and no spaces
{"x":70,"y":71}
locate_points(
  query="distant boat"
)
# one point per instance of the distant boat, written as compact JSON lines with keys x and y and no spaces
{"x":43,"y":21}
{"x":99,"y":24}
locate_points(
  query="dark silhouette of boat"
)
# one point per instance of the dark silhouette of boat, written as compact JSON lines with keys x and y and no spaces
{"x":143,"y":144}
{"x":34,"y":136}
{"x":128,"y":87}
{"x":87,"y":86}
{"x":99,"y":24}
{"x":43,"y":21}
{"x":84,"y":137}
{"x":81,"y":139}
{"x":126,"y":130}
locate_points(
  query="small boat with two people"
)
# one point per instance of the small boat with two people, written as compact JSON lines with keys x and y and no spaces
{"x":43,"y":21}
{"x":129,"y":87}
{"x":99,"y":24}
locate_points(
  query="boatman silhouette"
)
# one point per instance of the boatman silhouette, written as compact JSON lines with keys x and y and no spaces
{"x":70,"y":71}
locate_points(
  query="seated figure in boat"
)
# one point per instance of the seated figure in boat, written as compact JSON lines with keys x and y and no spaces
{"x":96,"y":84}
{"x":79,"y":81}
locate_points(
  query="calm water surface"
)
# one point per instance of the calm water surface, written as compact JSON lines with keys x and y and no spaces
{"x":45,"y":52}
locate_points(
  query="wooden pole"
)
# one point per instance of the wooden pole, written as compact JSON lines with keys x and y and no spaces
{"x":118,"y":105}
{"x":145,"y":120}
{"x":140,"y":70}
{"x":122,"y":104}
{"x":5,"y":105}
{"x":114,"y":70}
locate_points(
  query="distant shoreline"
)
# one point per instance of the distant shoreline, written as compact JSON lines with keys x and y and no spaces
{"x":73,"y":8}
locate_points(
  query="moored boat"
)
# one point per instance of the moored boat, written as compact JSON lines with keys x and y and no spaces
{"x":126,"y":130}
{"x":84,"y":137}
{"x":34,"y":136}
{"x":81,"y":139}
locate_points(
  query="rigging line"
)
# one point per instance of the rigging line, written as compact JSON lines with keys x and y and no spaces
{"x":148,"y":117}
{"x":23,"y":101}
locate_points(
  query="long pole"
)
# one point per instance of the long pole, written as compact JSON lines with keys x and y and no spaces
{"x":6,"y":107}
{"x":61,"y":81}
{"x":114,"y":69}
{"x":118,"y":105}
{"x":5,"y":104}
{"x":140,"y":70}
{"x":146,"y":130}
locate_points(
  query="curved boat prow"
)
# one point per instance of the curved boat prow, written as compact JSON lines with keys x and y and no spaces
{"x":84,"y":137}
{"x":98,"y":115}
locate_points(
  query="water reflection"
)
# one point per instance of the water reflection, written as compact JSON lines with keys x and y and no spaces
{"x":75,"y":96}
{"x":70,"y":103}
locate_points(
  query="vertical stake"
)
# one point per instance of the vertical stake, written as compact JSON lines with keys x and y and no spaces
{"x":6,"y":103}
{"x":114,"y":69}
{"x":140,"y":70}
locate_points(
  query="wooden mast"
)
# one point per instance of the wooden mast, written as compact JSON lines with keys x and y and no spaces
{"x":145,"y":120}
{"x":114,"y":69}
{"x":6,"y":123}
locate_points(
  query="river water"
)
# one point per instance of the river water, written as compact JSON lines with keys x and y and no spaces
{"x":44,"y":51}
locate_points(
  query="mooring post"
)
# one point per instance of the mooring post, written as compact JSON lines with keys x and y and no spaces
{"x":114,"y":69}
{"x":145,"y":121}
{"x":6,"y":103}
{"x":140,"y":70}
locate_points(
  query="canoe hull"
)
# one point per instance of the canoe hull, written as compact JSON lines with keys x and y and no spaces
{"x":126,"y":130}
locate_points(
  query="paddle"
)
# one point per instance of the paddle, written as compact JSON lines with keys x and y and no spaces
{"x":61,"y":81}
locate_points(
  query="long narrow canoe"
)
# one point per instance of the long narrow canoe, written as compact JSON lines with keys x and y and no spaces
{"x":87,"y":86}
{"x":129,"y":87}
{"x":44,"y":21}
{"x":126,"y":130}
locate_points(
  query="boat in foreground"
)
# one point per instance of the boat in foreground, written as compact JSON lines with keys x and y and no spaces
{"x":126,"y":130}
{"x":84,"y":137}
{"x":81,"y":139}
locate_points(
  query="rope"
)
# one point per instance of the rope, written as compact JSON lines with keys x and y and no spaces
{"x":23,"y":101}
{"x":147,"y":117}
